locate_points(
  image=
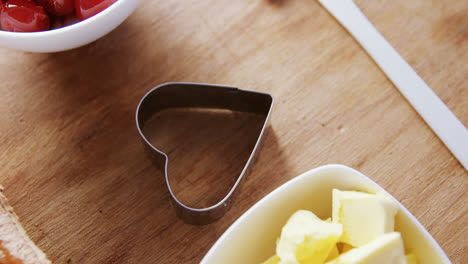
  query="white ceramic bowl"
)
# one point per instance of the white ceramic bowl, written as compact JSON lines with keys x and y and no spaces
{"x":73,"y":36}
{"x":252,"y":238}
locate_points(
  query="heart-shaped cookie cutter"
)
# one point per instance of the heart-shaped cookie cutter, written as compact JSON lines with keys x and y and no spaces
{"x":199,"y":95}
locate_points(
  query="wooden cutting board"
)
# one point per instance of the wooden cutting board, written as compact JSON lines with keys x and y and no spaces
{"x":74,"y":170}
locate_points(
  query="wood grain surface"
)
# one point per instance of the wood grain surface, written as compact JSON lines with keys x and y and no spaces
{"x":72,"y":163}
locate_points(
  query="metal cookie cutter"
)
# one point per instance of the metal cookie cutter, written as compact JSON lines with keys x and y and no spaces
{"x":197,"y":95}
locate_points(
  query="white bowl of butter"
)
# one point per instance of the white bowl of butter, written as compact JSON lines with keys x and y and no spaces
{"x":252,"y":238}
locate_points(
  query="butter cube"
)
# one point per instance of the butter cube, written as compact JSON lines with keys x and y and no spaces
{"x":364,"y":216}
{"x":386,"y":249}
{"x":411,"y":258}
{"x":306,"y":239}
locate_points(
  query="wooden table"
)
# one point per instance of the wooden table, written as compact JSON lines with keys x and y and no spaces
{"x":72,"y":163}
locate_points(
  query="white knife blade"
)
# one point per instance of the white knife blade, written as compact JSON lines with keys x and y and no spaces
{"x":429,"y":106}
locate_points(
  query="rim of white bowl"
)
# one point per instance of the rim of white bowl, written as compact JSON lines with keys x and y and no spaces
{"x":300,"y":178}
{"x":73,"y":27}
{"x":73,"y":36}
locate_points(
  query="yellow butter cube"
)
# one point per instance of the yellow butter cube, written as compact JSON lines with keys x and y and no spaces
{"x":306,"y":239}
{"x":364,"y":216}
{"x":411,"y":258}
{"x":386,"y":249}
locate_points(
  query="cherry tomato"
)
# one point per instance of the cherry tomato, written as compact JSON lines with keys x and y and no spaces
{"x":88,"y":8}
{"x":23,"y":16}
{"x":57,"y":7}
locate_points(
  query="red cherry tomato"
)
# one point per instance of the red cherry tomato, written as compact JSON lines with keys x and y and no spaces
{"x":88,"y":8}
{"x":58,"y":7}
{"x":23,"y":16}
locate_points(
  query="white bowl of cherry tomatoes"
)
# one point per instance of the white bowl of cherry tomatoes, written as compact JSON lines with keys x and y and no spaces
{"x":58,"y":25}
